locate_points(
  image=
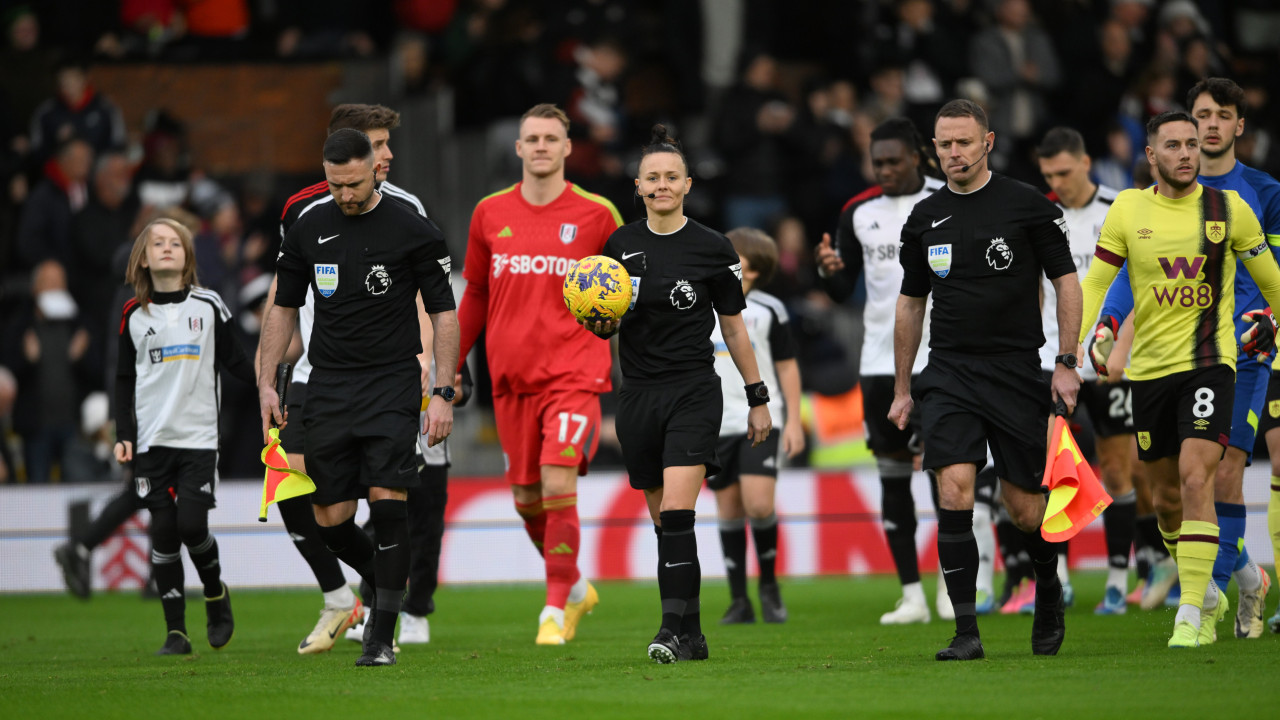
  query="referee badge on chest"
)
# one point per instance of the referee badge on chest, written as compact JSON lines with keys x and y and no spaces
{"x":326,"y":279}
{"x":940,"y":259}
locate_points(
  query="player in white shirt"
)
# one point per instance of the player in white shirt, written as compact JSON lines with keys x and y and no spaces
{"x":867,"y":241}
{"x":1107,"y":401}
{"x":746,"y":485}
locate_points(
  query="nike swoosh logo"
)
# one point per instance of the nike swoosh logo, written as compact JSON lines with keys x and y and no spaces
{"x":948,"y":572}
{"x":322,"y":241}
{"x":671,"y":565}
{"x":631,"y":255}
{"x":936,"y":223}
{"x":388,"y":547}
{"x":334,"y":633}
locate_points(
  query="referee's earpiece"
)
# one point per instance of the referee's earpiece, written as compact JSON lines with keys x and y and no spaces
{"x":988,"y":146}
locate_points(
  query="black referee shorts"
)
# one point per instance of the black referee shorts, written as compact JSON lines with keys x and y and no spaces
{"x":970,"y":402}
{"x":883,"y":435}
{"x":738,"y":458}
{"x":361,"y":431}
{"x":293,"y":436}
{"x":669,"y":425}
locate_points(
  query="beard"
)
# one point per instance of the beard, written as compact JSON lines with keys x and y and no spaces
{"x":1169,"y":176}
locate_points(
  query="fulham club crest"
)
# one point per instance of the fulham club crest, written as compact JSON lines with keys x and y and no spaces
{"x":568,"y":232}
{"x":196,"y":324}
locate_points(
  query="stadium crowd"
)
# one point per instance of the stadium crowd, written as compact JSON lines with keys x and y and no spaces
{"x":775,"y":103}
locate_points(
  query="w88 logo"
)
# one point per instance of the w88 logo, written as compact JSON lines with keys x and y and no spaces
{"x":1199,"y":295}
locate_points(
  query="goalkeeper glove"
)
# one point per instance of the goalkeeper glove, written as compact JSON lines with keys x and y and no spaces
{"x":1102,"y":342}
{"x":1259,"y":339}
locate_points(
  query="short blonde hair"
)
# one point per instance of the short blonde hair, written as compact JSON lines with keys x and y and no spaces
{"x":547,"y":110}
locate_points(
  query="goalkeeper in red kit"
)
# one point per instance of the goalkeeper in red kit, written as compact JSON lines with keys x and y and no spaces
{"x":547,"y":374}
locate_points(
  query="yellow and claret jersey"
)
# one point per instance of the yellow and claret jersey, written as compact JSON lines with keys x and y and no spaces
{"x":1182,"y":263}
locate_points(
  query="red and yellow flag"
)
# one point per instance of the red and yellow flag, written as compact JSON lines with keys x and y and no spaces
{"x":281,"y":482}
{"x":1075,"y":495}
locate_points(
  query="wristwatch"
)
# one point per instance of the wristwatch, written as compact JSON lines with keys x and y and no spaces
{"x":1069,"y":360}
{"x":757,"y":394}
{"x":445,"y":392}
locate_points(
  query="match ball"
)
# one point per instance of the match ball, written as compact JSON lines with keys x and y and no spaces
{"x":597,"y":289}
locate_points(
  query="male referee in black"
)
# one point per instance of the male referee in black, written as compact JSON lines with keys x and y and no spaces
{"x":365,"y":259}
{"x":979,"y":245}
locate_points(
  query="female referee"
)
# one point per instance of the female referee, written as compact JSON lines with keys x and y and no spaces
{"x":683,"y":274}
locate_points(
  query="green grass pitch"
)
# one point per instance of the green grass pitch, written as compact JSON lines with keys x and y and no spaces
{"x":62,"y":658}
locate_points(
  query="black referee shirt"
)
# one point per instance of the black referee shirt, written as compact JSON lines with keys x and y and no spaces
{"x":981,"y":254}
{"x":680,"y":282}
{"x":364,"y":271}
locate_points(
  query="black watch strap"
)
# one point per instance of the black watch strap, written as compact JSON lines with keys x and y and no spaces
{"x":1069,"y":359}
{"x":757,"y":394}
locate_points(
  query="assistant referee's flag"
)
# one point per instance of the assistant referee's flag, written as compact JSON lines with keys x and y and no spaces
{"x":1075,"y":495}
{"x":281,"y":482}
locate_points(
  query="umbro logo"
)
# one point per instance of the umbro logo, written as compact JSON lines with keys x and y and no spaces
{"x":1145,"y":233}
{"x":506,"y":232}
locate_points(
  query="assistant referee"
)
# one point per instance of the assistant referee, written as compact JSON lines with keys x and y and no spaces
{"x":980,"y":246}
{"x":365,"y":259}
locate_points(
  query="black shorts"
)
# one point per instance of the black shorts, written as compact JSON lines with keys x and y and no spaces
{"x":1190,"y":404}
{"x":362,"y":428}
{"x":293,"y":436}
{"x":883,"y":436}
{"x":1110,"y":407}
{"x":738,"y":458}
{"x":970,"y":402}
{"x":1271,"y":411}
{"x":670,"y":425}
{"x":162,"y":474}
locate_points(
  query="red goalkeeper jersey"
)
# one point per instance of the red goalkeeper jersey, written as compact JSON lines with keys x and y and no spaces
{"x":517,"y":257}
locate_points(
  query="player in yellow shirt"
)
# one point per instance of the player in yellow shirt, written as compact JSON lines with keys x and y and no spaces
{"x":1181,"y":241}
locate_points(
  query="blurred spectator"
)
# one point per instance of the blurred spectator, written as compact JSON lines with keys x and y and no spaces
{"x":1097,"y":91}
{"x":260,"y":217}
{"x":167,"y":177}
{"x":76,"y":110}
{"x":829,"y":170}
{"x":495,"y":56}
{"x":107,"y":223}
{"x":8,"y":393}
{"x":1115,"y":167}
{"x":47,"y":347}
{"x":932,"y":58}
{"x":757,"y":135}
{"x":211,"y":30}
{"x":328,"y":28}
{"x":595,"y":108}
{"x":44,"y":231}
{"x":218,"y":247}
{"x":1019,"y":67}
{"x":888,"y":96}
{"x":29,"y":72}
{"x":411,"y":70}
